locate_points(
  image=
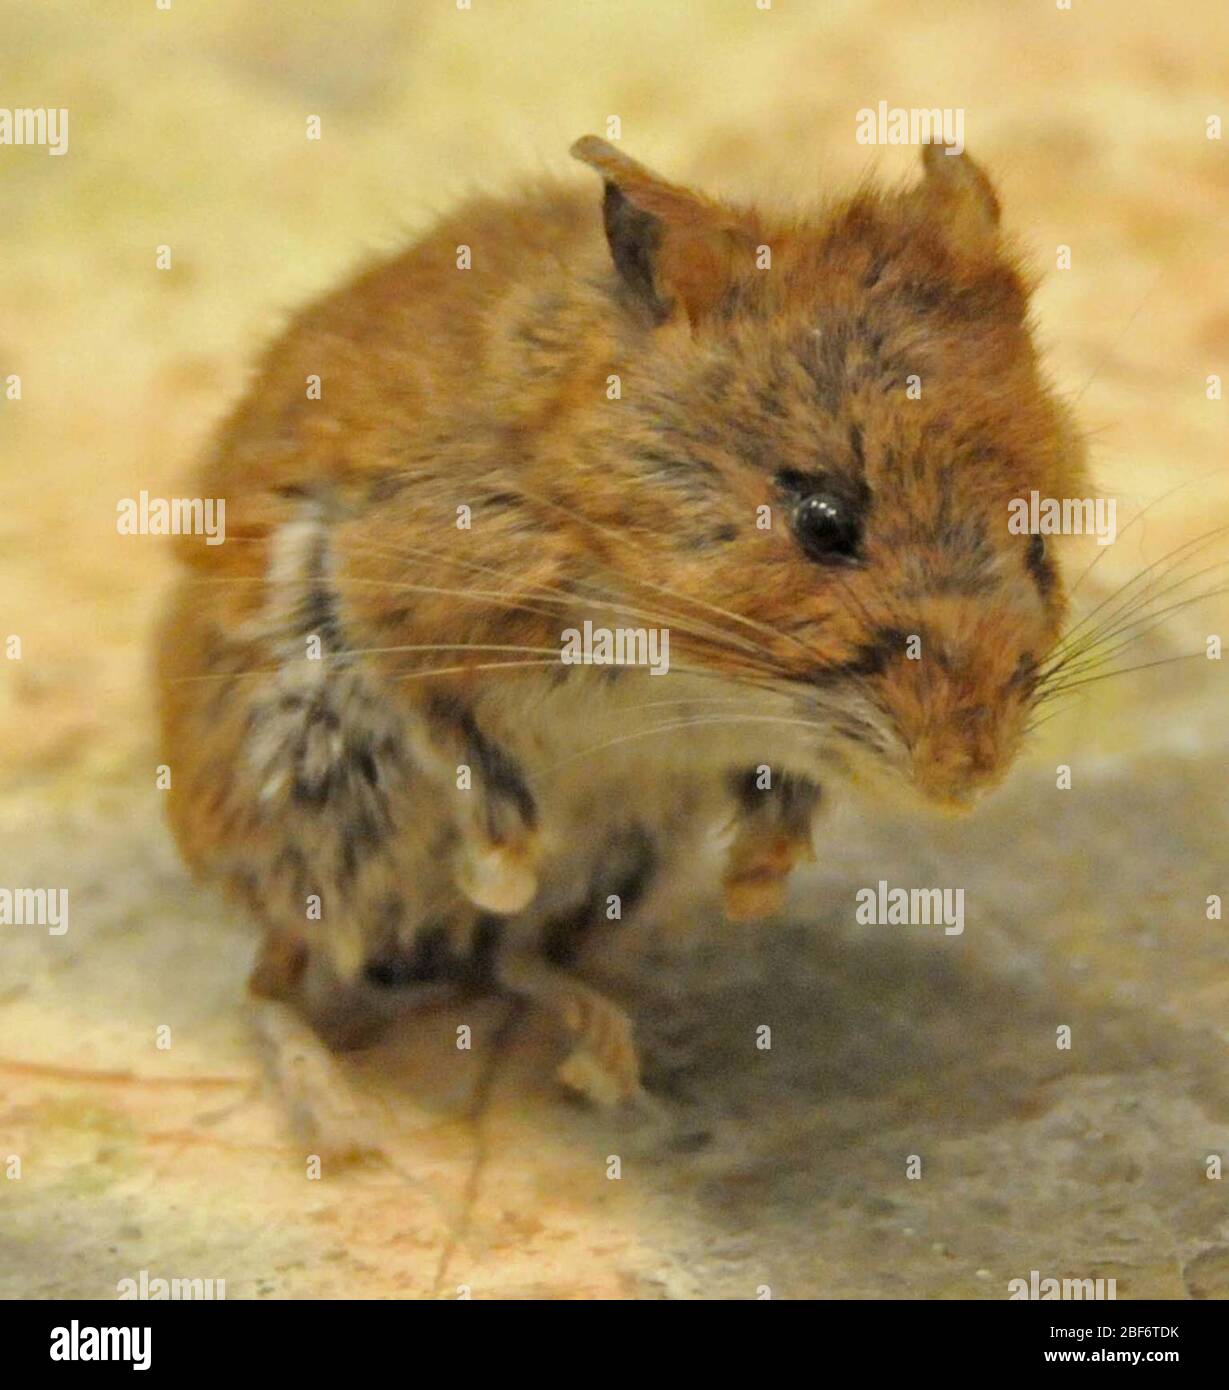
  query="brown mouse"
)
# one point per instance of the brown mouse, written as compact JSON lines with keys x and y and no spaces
{"x":579,"y":533}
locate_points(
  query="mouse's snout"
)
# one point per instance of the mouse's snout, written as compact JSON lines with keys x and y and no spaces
{"x":959,"y":709}
{"x":952,"y":764}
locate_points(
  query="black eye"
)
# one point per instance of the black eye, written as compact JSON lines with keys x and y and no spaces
{"x":826,"y":527}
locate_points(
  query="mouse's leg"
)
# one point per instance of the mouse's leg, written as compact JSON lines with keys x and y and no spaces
{"x":285,"y":989}
{"x":307,"y":1010}
{"x":603,"y":1065}
{"x":772,"y":835}
{"x":625,"y":869}
{"x":496,"y":863}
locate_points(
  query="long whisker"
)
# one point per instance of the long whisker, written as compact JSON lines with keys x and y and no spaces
{"x":605,"y":597}
{"x":1197,"y":542}
{"x":393,"y":586}
{"x":1132,"y":617}
{"x":1095,"y":654}
{"x":1127,"y":670}
{"x":675,"y":726}
{"x":502,"y":600}
{"x":1126,"y":328}
{"x":449,"y":647}
{"x":1102,"y":551}
{"x":626,"y":536}
{"x":413,"y":675}
{"x":693,"y":700}
{"x":739,"y":658}
{"x":1131,"y":612}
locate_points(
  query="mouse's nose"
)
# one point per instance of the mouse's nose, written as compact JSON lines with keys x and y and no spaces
{"x":951,"y":769}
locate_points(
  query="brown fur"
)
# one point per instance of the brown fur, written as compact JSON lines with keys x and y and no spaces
{"x":488,"y":387}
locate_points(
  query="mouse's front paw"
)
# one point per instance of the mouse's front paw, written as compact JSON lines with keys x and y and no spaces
{"x":604,"y":1067}
{"x":772,"y":836}
{"x":757,"y":874}
{"x":498,"y":878}
{"x":496,"y":863}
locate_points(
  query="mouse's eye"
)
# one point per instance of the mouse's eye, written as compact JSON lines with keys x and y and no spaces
{"x":826,"y":527}
{"x":826,"y":517}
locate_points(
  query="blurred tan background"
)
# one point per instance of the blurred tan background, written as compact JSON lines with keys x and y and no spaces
{"x":187,"y":128}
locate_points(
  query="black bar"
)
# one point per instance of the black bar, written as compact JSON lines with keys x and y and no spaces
{"x":320,"y":1339}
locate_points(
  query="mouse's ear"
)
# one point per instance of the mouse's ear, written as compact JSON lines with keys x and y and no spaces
{"x":958,"y":191}
{"x":672,"y":247}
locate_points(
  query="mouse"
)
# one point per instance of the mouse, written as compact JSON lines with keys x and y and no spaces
{"x":576,"y":556}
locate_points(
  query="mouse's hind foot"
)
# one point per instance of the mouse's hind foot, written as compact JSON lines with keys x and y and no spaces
{"x":325,"y":1113}
{"x":604,"y":1065}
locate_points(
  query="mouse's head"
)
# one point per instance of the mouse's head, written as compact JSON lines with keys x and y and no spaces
{"x":823,"y":426}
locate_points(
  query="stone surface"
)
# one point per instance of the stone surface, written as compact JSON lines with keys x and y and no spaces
{"x":783,"y":1167}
